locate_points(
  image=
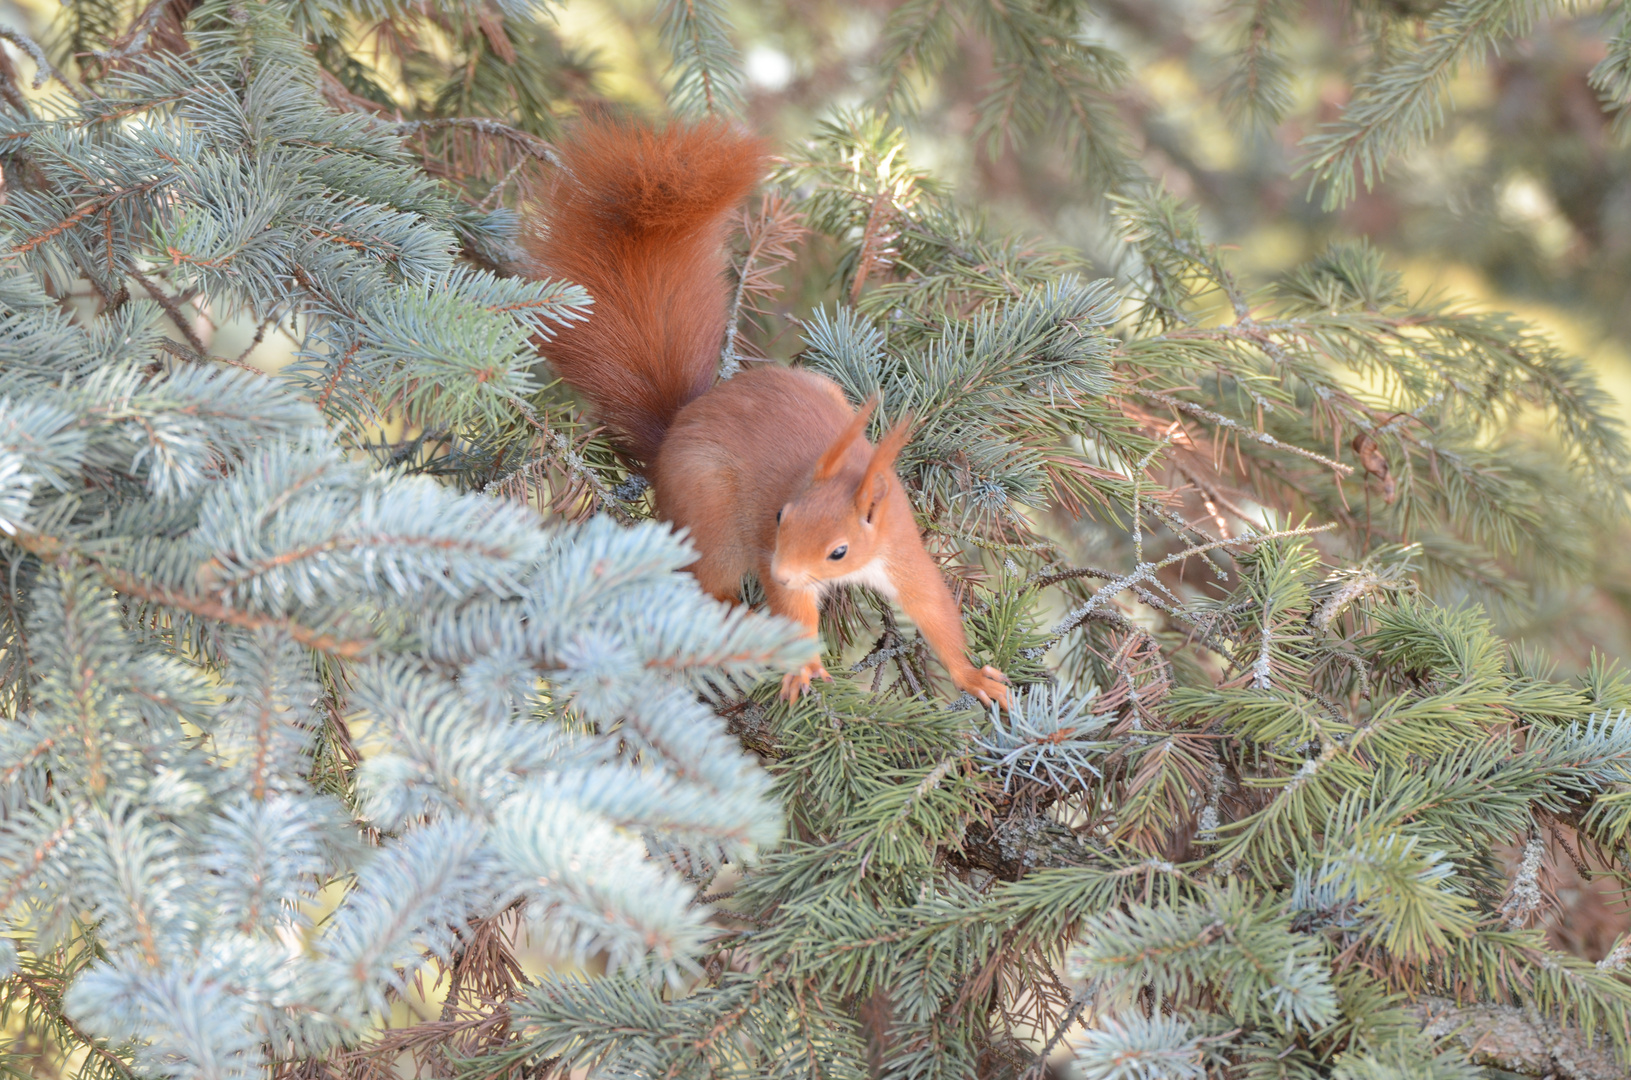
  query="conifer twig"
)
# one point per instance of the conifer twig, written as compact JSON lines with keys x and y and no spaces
{"x":1144,"y":571}
{"x":1245,"y":432}
{"x":43,"y":68}
{"x":50,"y":548}
{"x":527,"y":143}
{"x":1039,"y":1068}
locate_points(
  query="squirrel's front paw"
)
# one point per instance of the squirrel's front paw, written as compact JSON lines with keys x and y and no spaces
{"x":795,"y":683}
{"x":987,"y":683}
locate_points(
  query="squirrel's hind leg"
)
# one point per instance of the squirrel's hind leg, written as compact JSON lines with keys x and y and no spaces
{"x":718,"y":579}
{"x":695,"y":492}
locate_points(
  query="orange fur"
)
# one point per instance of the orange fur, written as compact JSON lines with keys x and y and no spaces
{"x":771,"y":472}
{"x":832,"y":459}
{"x":638,"y":217}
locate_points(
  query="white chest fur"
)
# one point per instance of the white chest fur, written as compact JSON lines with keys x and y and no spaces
{"x":874,"y":575}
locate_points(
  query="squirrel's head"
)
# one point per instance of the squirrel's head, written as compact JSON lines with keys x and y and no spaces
{"x":832,"y":530}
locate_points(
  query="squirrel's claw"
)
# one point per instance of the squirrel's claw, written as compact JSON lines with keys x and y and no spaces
{"x":988,"y":684}
{"x":795,"y":683}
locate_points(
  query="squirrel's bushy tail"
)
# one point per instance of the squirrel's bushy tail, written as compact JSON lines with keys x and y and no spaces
{"x":638,"y":216}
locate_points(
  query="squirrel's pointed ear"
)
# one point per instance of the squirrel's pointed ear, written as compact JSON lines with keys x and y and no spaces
{"x":880,"y":470}
{"x":834,"y":457}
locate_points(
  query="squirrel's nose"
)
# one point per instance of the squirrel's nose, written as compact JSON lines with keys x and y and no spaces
{"x":780,"y":578}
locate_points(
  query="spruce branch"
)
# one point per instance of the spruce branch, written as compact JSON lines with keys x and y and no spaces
{"x":53,"y":549}
{"x":1259,"y":78}
{"x":40,"y":990}
{"x":770,"y":233}
{"x":526,"y":142}
{"x":135,"y":38}
{"x":1234,"y":425}
{"x":1400,"y":105}
{"x":706,"y":78}
{"x":172,"y":308}
{"x":269,"y":636}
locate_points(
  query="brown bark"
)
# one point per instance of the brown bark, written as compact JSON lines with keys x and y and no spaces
{"x":1514,"y":1039}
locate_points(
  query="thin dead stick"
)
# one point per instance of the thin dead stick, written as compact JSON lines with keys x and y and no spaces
{"x":1244,"y":431}
{"x":1145,"y":571}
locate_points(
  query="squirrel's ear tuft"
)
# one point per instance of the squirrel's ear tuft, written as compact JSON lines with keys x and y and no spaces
{"x":874,"y":483}
{"x":834,"y":457}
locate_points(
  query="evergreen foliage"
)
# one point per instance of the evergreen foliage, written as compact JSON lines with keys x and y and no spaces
{"x":325,"y":685}
{"x":245,"y":666}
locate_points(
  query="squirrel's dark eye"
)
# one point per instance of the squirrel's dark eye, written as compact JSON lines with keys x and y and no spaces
{"x":838,"y":552}
{"x":778,"y":517}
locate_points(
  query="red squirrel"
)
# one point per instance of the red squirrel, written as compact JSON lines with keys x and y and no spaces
{"x":769,"y":471}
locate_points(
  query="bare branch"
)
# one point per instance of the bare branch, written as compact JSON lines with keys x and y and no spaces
{"x":529,"y":144}
{"x":1245,"y":432}
{"x":44,"y":68}
{"x":1510,"y":1038}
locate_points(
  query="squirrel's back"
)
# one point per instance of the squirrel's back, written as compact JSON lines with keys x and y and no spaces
{"x":638,"y":216}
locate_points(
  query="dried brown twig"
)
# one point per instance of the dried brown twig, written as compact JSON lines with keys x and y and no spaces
{"x":771,"y":232}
